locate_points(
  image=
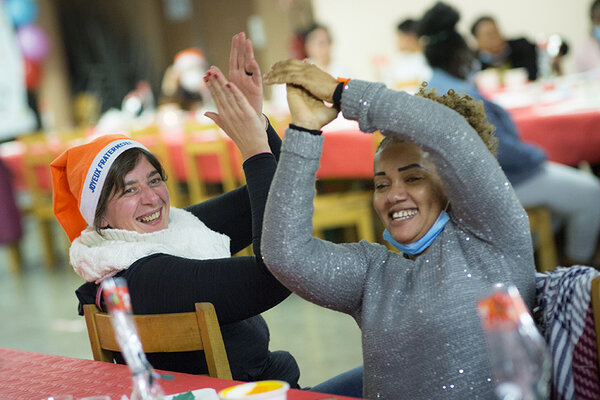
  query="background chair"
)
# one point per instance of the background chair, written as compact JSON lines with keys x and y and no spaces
{"x":540,"y":222}
{"x":39,"y":152}
{"x":203,"y":141}
{"x":164,"y":333}
{"x":350,"y":208}
{"x":344,"y":210}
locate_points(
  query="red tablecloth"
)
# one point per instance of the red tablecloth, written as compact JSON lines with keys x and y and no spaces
{"x":32,"y":376}
{"x":347,"y":154}
{"x":568,"y":138}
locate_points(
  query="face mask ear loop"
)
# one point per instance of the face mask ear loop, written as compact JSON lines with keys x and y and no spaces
{"x":447,"y":205}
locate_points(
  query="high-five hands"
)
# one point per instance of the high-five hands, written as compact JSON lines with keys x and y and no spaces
{"x":244,"y":71}
{"x":308,"y":87}
{"x":306,"y":110}
{"x":235,"y":115}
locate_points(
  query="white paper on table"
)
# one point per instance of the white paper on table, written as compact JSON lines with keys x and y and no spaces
{"x":199,"y":394}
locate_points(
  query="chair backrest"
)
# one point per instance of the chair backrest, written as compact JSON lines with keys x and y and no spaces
{"x":152,"y":138}
{"x":352,"y":209}
{"x":540,"y":222}
{"x":206,"y":141}
{"x":37,"y":156}
{"x":596,"y":311}
{"x":164,"y":333}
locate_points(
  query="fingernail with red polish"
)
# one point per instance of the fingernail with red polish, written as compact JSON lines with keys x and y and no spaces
{"x":206,"y":79}
{"x":228,"y":85}
{"x":208,"y":73}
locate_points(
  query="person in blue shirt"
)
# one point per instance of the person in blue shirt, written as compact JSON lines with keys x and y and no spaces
{"x":571,"y":195}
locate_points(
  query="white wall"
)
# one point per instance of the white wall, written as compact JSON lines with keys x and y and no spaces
{"x":363,"y":29}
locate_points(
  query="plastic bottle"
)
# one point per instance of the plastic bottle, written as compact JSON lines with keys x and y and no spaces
{"x":116,"y":297}
{"x":518,"y":353}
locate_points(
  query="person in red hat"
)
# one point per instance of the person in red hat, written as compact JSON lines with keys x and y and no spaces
{"x":111,"y":199}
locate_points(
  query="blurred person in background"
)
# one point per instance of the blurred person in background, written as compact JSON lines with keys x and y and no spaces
{"x":587,"y":53}
{"x":317,"y":48}
{"x":572,"y":195}
{"x":183,"y":82}
{"x":409,"y":67}
{"x":315,"y":44}
{"x":16,"y":119}
{"x":183,"y":90}
{"x":494,"y":51}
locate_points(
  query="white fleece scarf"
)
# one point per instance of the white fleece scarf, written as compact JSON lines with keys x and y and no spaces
{"x":96,"y":257}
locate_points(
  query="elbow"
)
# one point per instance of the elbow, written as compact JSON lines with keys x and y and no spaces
{"x":277,"y":252}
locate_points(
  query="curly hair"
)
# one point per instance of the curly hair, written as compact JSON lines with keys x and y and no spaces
{"x":466,"y":106}
{"x":470,"y":109}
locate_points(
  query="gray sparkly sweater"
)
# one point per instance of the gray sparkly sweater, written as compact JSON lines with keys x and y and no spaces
{"x":421,"y":334}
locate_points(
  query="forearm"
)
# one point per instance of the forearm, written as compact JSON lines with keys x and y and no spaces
{"x":233,"y":213}
{"x":259,"y":171}
{"x":238,"y":287}
{"x":274,"y":140}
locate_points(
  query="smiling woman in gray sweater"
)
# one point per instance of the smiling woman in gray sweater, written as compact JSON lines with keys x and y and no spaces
{"x":421,"y":334}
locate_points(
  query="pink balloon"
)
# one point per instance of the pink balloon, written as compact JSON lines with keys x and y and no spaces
{"x":33,"y":42}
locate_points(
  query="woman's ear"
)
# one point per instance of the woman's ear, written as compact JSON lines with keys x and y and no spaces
{"x":104,"y":223}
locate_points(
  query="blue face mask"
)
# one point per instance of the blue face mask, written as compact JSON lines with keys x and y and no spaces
{"x":420,"y":245}
{"x":596,"y":32}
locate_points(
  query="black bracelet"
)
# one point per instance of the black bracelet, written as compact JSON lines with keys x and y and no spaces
{"x":316,"y":132}
{"x":337,"y":95}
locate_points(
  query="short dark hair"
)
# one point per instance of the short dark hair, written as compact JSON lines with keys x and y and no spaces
{"x":479,"y":21}
{"x":313,"y":27}
{"x":115,"y":179}
{"x":409,"y":25}
{"x":595,"y":8}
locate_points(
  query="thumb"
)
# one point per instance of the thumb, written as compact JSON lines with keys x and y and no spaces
{"x":215,"y":117}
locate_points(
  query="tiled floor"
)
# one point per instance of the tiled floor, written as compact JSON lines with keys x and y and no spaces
{"x":38,"y":313}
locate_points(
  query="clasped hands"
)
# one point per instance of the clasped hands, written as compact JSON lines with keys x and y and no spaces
{"x":308,"y":88}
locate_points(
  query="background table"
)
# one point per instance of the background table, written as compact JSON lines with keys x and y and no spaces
{"x":26,"y":375}
{"x":560,"y":115}
{"x":568,"y":137}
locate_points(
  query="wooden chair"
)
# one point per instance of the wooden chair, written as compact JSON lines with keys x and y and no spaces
{"x":595,"y":291}
{"x":164,"y":333}
{"x":39,"y":153}
{"x":345,"y":210}
{"x":152,"y":138}
{"x":540,"y":222}
{"x":15,"y":258}
{"x":352,"y":209}
{"x":206,"y":141}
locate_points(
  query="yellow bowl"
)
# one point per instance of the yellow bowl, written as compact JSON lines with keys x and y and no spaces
{"x":261,"y":390}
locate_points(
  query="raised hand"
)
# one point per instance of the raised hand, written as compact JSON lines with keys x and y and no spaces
{"x":306,"y":110}
{"x":244,"y":71}
{"x":235,"y":115}
{"x":302,"y":73}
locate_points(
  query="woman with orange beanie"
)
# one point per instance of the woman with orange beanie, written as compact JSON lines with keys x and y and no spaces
{"x":111,"y":199}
